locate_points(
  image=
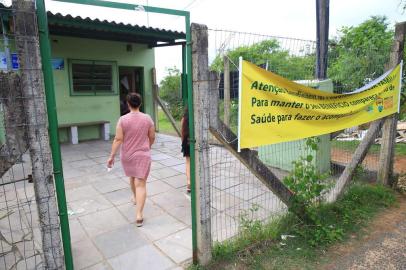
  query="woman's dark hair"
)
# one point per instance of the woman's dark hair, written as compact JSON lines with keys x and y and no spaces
{"x":134,"y":100}
{"x":185,"y":124}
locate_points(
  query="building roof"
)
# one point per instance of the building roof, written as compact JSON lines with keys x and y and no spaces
{"x":67,"y":25}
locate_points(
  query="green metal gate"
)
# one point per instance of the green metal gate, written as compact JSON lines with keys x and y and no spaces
{"x":187,"y":95}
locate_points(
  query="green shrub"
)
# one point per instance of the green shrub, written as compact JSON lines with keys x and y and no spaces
{"x":170,"y":92}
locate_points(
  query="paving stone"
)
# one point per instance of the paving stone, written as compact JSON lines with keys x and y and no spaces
{"x":82,"y":163}
{"x":77,"y":233}
{"x":109,"y":185}
{"x":90,"y":205}
{"x":157,"y":187}
{"x":160,"y":156}
{"x":176,"y":181}
{"x":172,"y":161}
{"x":119,"y":197}
{"x":245,"y":191}
{"x":76,"y":182}
{"x":94,"y":169}
{"x":69,"y":172}
{"x":73,"y":156}
{"x":180,"y":168}
{"x":150,"y":210}
{"x":81,"y":193}
{"x":223,"y":227}
{"x":85,"y":254}
{"x":248,"y":210}
{"x":8,"y":260}
{"x":182,"y":213}
{"x":223,"y":200}
{"x":27,"y":249}
{"x":223,"y":183}
{"x":164,"y":173}
{"x":98,"y":154}
{"x":101,"y":160}
{"x":269,"y":201}
{"x":146,"y":257}
{"x":100,"y":266}
{"x":177,"y":246}
{"x":101,"y":222}
{"x":170,"y":199}
{"x":119,"y":241}
{"x":156,"y":165}
{"x":160,"y":226}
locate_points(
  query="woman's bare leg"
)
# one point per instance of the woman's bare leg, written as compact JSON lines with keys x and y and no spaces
{"x":141,"y":195}
{"x":132,"y":184}
{"x":188,"y":172}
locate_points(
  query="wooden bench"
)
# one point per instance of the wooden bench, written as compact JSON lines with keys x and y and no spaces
{"x":74,"y":137}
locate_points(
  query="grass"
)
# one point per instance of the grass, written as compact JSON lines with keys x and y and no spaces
{"x":400,"y":148}
{"x":164,"y":125}
{"x":260,"y":246}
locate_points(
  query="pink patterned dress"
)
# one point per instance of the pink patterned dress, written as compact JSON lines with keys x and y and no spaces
{"x":135,"y":151}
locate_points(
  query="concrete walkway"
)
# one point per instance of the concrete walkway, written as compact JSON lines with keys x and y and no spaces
{"x":102,"y":215}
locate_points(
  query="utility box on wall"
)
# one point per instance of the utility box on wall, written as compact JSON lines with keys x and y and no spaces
{"x":282,"y":155}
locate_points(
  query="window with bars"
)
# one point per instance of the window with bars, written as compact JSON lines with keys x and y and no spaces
{"x":92,"y":77}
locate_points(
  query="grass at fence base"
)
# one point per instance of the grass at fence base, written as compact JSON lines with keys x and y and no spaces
{"x":262,"y":247}
{"x":164,"y":125}
{"x":400,"y":148}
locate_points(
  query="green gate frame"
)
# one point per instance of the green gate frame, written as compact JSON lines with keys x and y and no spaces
{"x":45,"y":49}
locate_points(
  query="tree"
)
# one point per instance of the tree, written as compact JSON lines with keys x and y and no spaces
{"x":360,"y":53}
{"x":269,"y":52}
{"x":170,"y":92}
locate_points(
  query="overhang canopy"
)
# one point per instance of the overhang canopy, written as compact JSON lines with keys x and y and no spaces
{"x":67,"y":25}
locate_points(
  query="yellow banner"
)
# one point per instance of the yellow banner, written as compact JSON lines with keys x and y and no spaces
{"x":273,"y":109}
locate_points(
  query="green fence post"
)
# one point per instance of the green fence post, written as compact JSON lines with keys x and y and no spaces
{"x":53,"y":130}
{"x":191,"y":135}
{"x":184,"y":76}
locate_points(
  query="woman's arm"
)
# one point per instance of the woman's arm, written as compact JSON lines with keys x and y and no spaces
{"x":181,"y":128}
{"x":118,"y":140}
{"x":151,"y":135}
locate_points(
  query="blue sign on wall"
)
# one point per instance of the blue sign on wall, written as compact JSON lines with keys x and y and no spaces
{"x":15,"y":63}
{"x":58,"y":63}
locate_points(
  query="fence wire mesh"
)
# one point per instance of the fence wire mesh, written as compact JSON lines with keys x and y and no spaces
{"x":29,"y":222}
{"x":237,"y":196}
{"x":20,"y":237}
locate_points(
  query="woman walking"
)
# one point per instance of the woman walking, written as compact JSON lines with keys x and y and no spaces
{"x":186,"y":145}
{"x":135,"y":131}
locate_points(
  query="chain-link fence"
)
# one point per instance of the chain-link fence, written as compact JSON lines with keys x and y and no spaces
{"x":236,"y":193}
{"x":29,"y":221}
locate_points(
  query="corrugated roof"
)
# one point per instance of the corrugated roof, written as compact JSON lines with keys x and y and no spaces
{"x":68,"y":25}
{"x":55,"y":18}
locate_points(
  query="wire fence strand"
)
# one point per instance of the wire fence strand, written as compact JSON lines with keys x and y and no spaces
{"x":237,"y":196}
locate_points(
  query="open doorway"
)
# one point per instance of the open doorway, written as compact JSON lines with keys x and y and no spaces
{"x":131,"y":80}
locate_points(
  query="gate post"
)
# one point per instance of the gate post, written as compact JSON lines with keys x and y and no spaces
{"x":387,"y":152}
{"x":32,"y":82}
{"x":226,"y":90}
{"x":201,"y":104}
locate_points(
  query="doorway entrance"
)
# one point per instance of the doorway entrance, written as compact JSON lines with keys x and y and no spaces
{"x":131,"y":80}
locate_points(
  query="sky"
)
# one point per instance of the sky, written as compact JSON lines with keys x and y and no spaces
{"x":285,"y":18}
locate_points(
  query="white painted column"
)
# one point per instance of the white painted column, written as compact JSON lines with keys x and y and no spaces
{"x":74,"y":136}
{"x":105,"y":131}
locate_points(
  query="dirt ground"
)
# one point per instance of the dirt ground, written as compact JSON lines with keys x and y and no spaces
{"x":371,"y":160}
{"x":381,"y":246}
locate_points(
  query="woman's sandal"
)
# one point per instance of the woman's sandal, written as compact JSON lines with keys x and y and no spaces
{"x":188,"y":190}
{"x":133,"y":201}
{"x":139,"y":222}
